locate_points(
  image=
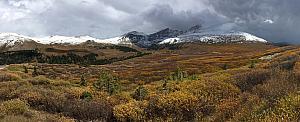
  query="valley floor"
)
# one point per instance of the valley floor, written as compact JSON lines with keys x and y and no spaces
{"x":229,"y":82}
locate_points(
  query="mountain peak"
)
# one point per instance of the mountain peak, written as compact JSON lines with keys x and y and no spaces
{"x":135,"y":33}
{"x":164,"y":34}
{"x":194,"y":29}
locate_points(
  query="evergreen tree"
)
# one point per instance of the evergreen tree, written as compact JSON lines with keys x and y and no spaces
{"x":86,"y":96}
{"x":140,"y":93}
{"x":164,"y":86}
{"x":83,"y":82}
{"x":25,"y":69}
{"x":178,"y":75}
{"x":225,"y":67}
{"x":34,"y":73}
{"x":252,"y":64}
{"x":108,"y":83}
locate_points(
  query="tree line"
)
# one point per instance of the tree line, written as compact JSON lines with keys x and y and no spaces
{"x":28,"y":56}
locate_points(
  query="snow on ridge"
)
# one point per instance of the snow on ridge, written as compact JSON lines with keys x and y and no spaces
{"x":170,"y":41}
{"x":253,"y":38}
{"x":206,"y":36}
{"x":11,"y":38}
{"x":214,"y":37}
{"x":114,"y":40}
{"x":62,"y":40}
{"x":81,"y":39}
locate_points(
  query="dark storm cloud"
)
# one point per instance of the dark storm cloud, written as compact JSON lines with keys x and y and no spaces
{"x":277,"y":20}
{"x":164,"y":16}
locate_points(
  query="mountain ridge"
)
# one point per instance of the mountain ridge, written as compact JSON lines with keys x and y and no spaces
{"x":140,"y":39}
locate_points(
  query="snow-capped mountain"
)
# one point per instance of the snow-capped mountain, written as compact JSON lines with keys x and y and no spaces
{"x":134,"y":37}
{"x":165,"y":36}
{"x":12,"y":39}
{"x":193,"y":34}
{"x":215,"y":37}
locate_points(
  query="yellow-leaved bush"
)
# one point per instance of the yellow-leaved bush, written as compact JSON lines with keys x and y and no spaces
{"x":13,"y":107}
{"x":287,"y":109}
{"x":178,"y":105}
{"x":131,"y":111}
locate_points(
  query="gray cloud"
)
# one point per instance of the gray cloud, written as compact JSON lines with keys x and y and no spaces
{"x":276,"y":20}
{"x":251,"y":16}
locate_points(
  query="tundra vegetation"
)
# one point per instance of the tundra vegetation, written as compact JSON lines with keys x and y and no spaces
{"x":228,"y":88}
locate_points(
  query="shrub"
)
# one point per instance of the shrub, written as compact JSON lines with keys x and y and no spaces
{"x":178,"y":75}
{"x":8,"y":77}
{"x":14,"y":107}
{"x":285,"y":62}
{"x":281,"y":83}
{"x":83,"y":81}
{"x":274,"y":89}
{"x":13,"y":118}
{"x":9,"y":90}
{"x":177,"y":105}
{"x":59,"y":83}
{"x":33,"y":97}
{"x":86,"y":96}
{"x":35,"y":72}
{"x":108,"y":83}
{"x":132,"y":111}
{"x":249,"y":108}
{"x":288,"y":108}
{"x":211,"y":90}
{"x":246,"y":81}
{"x":140,"y":93}
{"x":88,"y":110}
{"x":225,"y":66}
{"x":50,"y":101}
{"x":252,"y":64}
{"x":25,"y":69}
{"x":226,"y":109}
{"x":58,"y":102}
{"x":39,"y":80}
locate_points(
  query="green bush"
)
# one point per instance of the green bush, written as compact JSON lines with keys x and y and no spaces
{"x":107,"y":83}
{"x":86,"y":96}
{"x":178,"y":75}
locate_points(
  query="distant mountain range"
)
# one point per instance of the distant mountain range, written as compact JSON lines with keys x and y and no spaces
{"x":140,"y":39}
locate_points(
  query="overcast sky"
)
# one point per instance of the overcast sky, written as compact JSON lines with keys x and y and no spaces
{"x":275,"y":20}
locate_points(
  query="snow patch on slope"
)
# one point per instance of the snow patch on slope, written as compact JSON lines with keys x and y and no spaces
{"x":61,"y":40}
{"x":214,"y":37}
{"x":170,"y":41}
